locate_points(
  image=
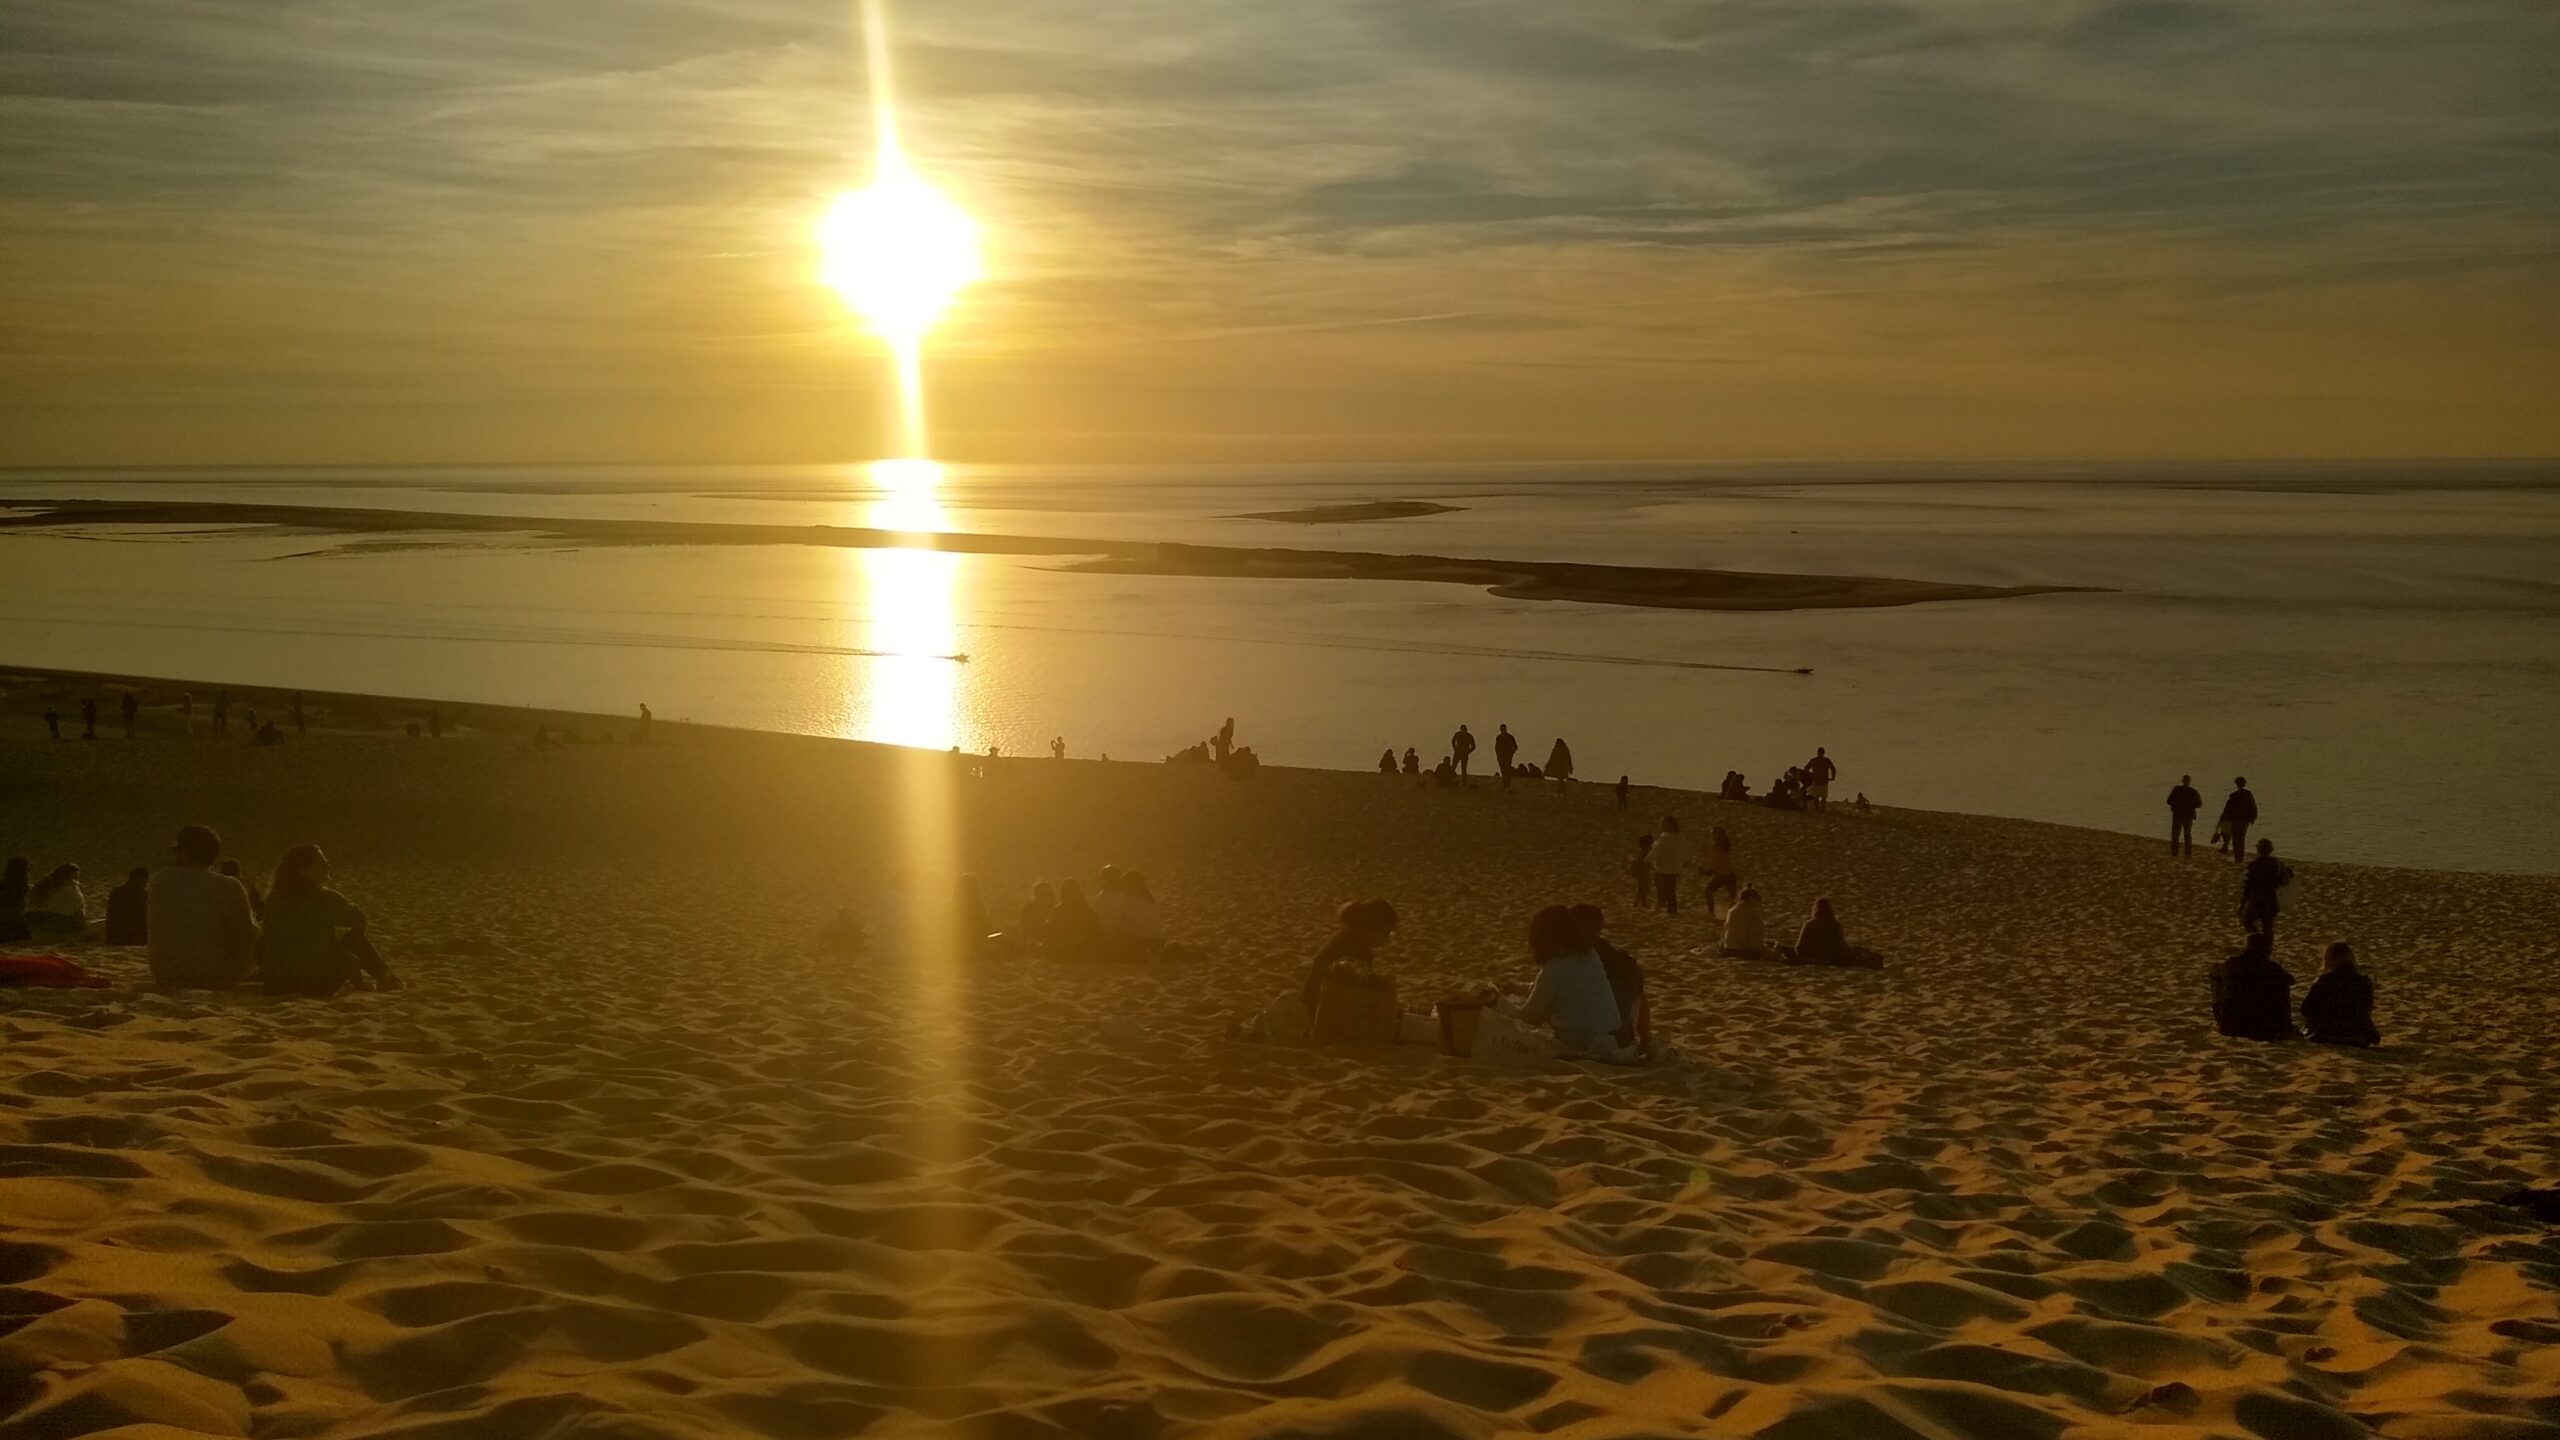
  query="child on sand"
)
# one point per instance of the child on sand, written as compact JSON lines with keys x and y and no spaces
{"x":2338,"y":1009}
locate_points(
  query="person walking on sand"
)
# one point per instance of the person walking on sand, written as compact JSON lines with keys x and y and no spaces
{"x":1560,"y":761}
{"x":1819,"y":772}
{"x":1462,"y":745}
{"x":201,"y":932}
{"x":2184,"y":802}
{"x":88,"y":719}
{"x":2262,"y":890}
{"x":131,"y":710}
{"x":221,"y":712}
{"x":2239,"y":812}
{"x":53,"y":722}
{"x":1505,"y":745}
{"x":645,"y":721}
{"x":1670,"y":857}
{"x":2338,"y":1008}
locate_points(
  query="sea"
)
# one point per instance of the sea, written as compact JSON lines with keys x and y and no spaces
{"x":2376,"y":647}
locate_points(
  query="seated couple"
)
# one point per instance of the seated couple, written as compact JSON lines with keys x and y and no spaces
{"x":1822,"y":941}
{"x":1121,"y":922}
{"x":204,"y":930}
{"x":2253,"y":997}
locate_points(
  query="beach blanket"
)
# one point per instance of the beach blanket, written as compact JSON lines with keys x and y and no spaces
{"x":48,"y":972}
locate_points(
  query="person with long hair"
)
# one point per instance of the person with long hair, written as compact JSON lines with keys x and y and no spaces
{"x":314,"y":941}
{"x":2338,"y":1009}
{"x":1823,"y":941}
{"x":56,"y":906}
{"x":1075,"y":932}
{"x":1572,"y":994}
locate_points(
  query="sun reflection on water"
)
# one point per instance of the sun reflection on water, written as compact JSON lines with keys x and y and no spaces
{"x":908,"y":691}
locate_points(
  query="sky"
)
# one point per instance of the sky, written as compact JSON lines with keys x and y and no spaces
{"x":403,"y":231}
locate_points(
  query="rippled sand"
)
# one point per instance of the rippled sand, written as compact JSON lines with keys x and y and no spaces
{"x":632,"y":1158}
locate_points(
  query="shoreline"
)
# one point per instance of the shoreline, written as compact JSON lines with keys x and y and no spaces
{"x":1659,"y":587}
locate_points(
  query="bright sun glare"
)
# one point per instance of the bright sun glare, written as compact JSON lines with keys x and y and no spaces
{"x":898,"y":252}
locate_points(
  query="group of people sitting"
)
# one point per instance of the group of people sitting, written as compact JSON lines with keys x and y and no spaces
{"x":1120,"y":921}
{"x":204,"y":927}
{"x":1822,"y":940}
{"x":2253,"y":997}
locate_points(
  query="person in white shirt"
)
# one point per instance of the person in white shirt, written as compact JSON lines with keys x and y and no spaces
{"x":1745,"y":933}
{"x":55,"y":905}
{"x":1670,"y":857}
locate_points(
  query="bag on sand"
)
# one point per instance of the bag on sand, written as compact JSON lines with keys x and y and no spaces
{"x":1458,"y":1025}
{"x":1356,"y":1008}
{"x":48,"y":972}
{"x":1501,"y":1040}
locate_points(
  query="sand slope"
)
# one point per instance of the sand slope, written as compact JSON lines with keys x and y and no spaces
{"x":630,"y":1159}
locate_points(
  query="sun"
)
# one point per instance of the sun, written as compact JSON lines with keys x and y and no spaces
{"x":898,"y":252}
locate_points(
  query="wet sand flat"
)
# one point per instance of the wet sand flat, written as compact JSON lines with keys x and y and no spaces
{"x":633,"y":1157}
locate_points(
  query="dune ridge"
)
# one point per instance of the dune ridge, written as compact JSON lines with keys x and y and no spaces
{"x":632,"y":1158}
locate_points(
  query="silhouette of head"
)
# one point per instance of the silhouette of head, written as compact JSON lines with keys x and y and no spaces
{"x":1822,"y":907}
{"x":197,"y":845}
{"x":2340,"y":956}
{"x":2266,"y":847}
{"x":1818,"y":750}
{"x":1371,"y":920}
{"x":139,"y":875}
{"x":1750,"y":896}
{"x":1552,"y":932}
{"x":1671,"y":823}
{"x":2261,"y":946}
{"x":1589,"y":920}
{"x":2186,"y":779}
{"x":2240,"y":782}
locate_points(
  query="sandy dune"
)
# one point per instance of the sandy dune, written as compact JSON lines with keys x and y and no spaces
{"x":631,"y":1159}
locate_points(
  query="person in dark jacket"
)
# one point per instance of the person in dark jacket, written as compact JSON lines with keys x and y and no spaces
{"x":2184,"y":802}
{"x":1626,"y":979}
{"x":1506,"y":748}
{"x":129,"y":910}
{"x":1824,"y":941}
{"x":2260,"y":885}
{"x":2252,"y":994}
{"x":1359,"y":929}
{"x":2338,"y":1008}
{"x":2239,"y":812}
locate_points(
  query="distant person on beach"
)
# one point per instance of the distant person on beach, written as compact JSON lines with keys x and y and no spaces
{"x":53,"y":722}
{"x":187,"y":713}
{"x":1746,"y":935}
{"x":1734,"y":787}
{"x":1075,"y":932}
{"x":1626,"y":981}
{"x":267,"y":734}
{"x":1359,"y":929}
{"x":1445,"y":774}
{"x":1560,"y":761}
{"x":1823,"y":941}
{"x":1670,"y":857}
{"x":1412,"y":761}
{"x":129,"y":910}
{"x":56,"y":906}
{"x":1387,"y":761}
{"x":2184,"y":802}
{"x":13,"y":899}
{"x":131,"y":710}
{"x":1863,"y":806}
{"x":1622,"y":792}
{"x":1572,"y":994}
{"x":314,"y":941}
{"x":1225,"y":740}
{"x":1505,"y":746}
{"x":201,"y":930}
{"x":301,"y":724}
{"x":1461,"y":746}
{"x":2252,"y":994}
{"x":2262,"y":890}
{"x":1642,"y":869}
{"x":646,"y":720}
{"x":1724,"y":873}
{"x":1819,"y":772}
{"x":88,"y":719}
{"x":1057,"y":747}
{"x":2239,"y":812}
{"x":221,"y":712}
{"x":2338,"y":1008}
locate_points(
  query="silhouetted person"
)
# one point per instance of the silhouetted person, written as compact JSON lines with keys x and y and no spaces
{"x":201,"y":930}
{"x":301,"y":723}
{"x":1626,"y":979}
{"x":2261,"y":887}
{"x":1359,"y":929}
{"x":129,"y":910}
{"x":2338,"y":1008}
{"x":1075,"y":932}
{"x":1057,"y":747}
{"x":1461,"y":745}
{"x":88,"y":719}
{"x":1824,"y":941}
{"x":1560,"y":761}
{"x":2239,"y":812}
{"x":1387,"y":761}
{"x":53,"y":722}
{"x":646,"y":719}
{"x":2253,"y":995}
{"x":1622,"y":792}
{"x":221,"y":712}
{"x":1505,"y":746}
{"x":1670,"y":857}
{"x":131,"y":710}
{"x":2184,"y":802}
{"x":1819,"y":772}
{"x":187,"y":713}
{"x":1412,"y":761}
{"x":1225,"y":739}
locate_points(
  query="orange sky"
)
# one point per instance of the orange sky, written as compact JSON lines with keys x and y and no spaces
{"x":1221,"y":230}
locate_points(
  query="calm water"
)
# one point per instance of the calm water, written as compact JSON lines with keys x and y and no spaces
{"x":2376,"y":648}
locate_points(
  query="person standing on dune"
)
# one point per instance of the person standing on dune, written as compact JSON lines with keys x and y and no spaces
{"x":1505,"y":745}
{"x":2239,"y":812}
{"x":1462,"y":745}
{"x":1819,"y":773}
{"x":1670,"y":856}
{"x":1560,"y":761}
{"x":2184,"y":802}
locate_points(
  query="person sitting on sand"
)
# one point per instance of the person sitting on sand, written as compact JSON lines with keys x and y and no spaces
{"x":201,"y":930}
{"x":2338,"y":1008}
{"x":1572,"y":994}
{"x":1623,"y":789}
{"x":56,"y":906}
{"x":1724,"y":873}
{"x":1746,"y":935}
{"x":2252,"y":994}
{"x":1823,"y":941}
{"x":1387,"y":762}
{"x":13,"y":899}
{"x":1412,"y":762}
{"x":129,"y":910}
{"x":1359,"y":929}
{"x":1559,"y":761}
{"x":314,"y":942}
{"x":1075,"y":932}
{"x":1626,"y":981}
{"x":2261,"y":890}
{"x":1445,"y":774}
